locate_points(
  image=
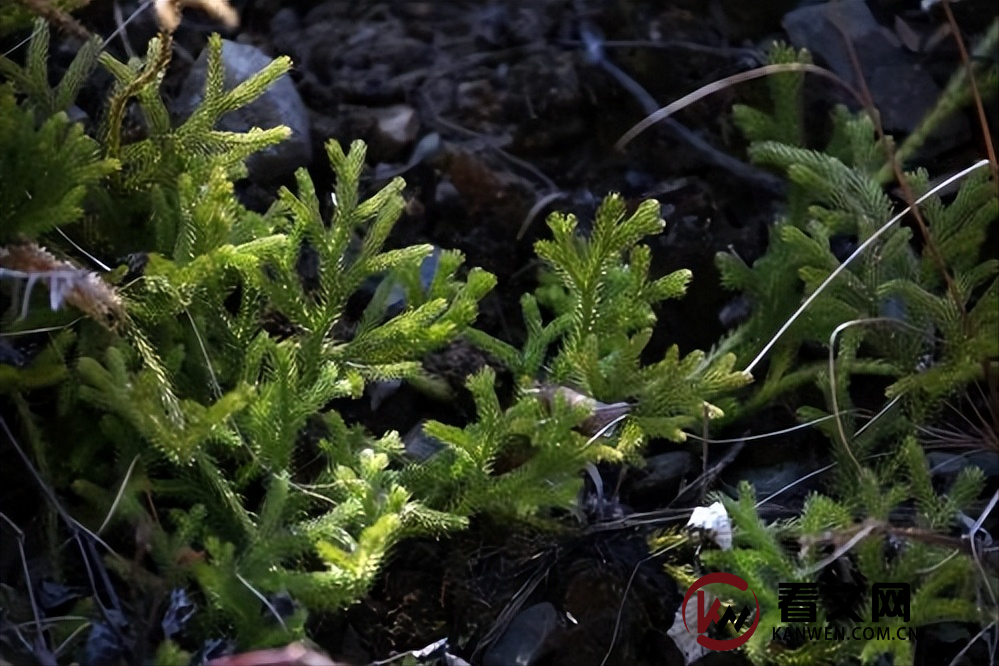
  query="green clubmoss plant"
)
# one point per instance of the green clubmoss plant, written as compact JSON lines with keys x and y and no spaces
{"x":921,"y":315}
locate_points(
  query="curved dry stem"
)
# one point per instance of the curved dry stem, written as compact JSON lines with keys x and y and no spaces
{"x":118,"y":496}
{"x":974,"y":639}
{"x":832,"y":372}
{"x":972,"y":533}
{"x":775,"y":433}
{"x":259,"y":595}
{"x":721,"y":84}
{"x":537,"y":208}
{"x":856,"y":253}
{"x":983,"y":121}
{"x":881,"y":412}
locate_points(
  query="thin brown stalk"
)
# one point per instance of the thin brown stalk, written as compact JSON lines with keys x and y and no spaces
{"x":47,"y":10}
{"x":728,"y":81}
{"x":994,"y":165}
{"x":979,"y":107}
{"x":907,"y":194}
{"x":119,"y":100}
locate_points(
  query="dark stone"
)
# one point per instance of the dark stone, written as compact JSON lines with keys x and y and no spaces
{"x":419,"y":445}
{"x":902,"y":90}
{"x":279,"y":105}
{"x":660,"y":481}
{"x":527,"y":638}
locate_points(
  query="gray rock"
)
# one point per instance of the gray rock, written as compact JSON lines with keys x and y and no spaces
{"x":428,"y":271}
{"x":395,"y":128}
{"x":77,"y":115}
{"x":378,"y":392}
{"x":782,"y":477}
{"x":279,"y":105}
{"x":524,"y":642}
{"x":285,"y":31}
{"x":946,"y":466}
{"x":419,"y":445}
{"x":903,"y":92}
{"x":662,"y":476}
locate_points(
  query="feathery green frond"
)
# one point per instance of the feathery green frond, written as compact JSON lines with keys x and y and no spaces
{"x":32,"y":80}
{"x":195,"y":145}
{"x":46,"y":171}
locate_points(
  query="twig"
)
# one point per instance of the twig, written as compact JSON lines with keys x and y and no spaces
{"x":862,"y":533}
{"x":84,"y":252}
{"x":781,"y":491}
{"x":974,"y":550}
{"x":820,"y":470}
{"x":36,"y":613}
{"x":38,"y":28}
{"x":982,"y":119}
{"x":263,"y":600}
{"x":705,"y":430}
{"x":624,"y":598}
{"x":86,"y":546}
{"x":47,"y":10}
{"x":833,"y":391}
{"x":675,"y":45}
{"x":595,"y":54}
{"x":958,"y":658}
{"x":490,"y":141}
{"x":120,"y":23}
{"x":721,"y":84}
{"x":903,"y":182}
{"x":124,"y":24}
{"x":118,"y":496}
{"x":880,"y":527}
{"x":537,"y":208}
{"x":709,"y":475}
{"x":775,"y":433}
{"x":513,"y":607}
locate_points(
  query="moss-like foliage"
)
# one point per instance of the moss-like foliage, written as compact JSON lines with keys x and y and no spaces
{"x":943,"y":585}
{"x":46,"y":171}
{"x":198,"y":418}
{"x":920,"y":316}
{"x":187,"y":416}
{"x":184,"y":427}
{"x":584,"y":362}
